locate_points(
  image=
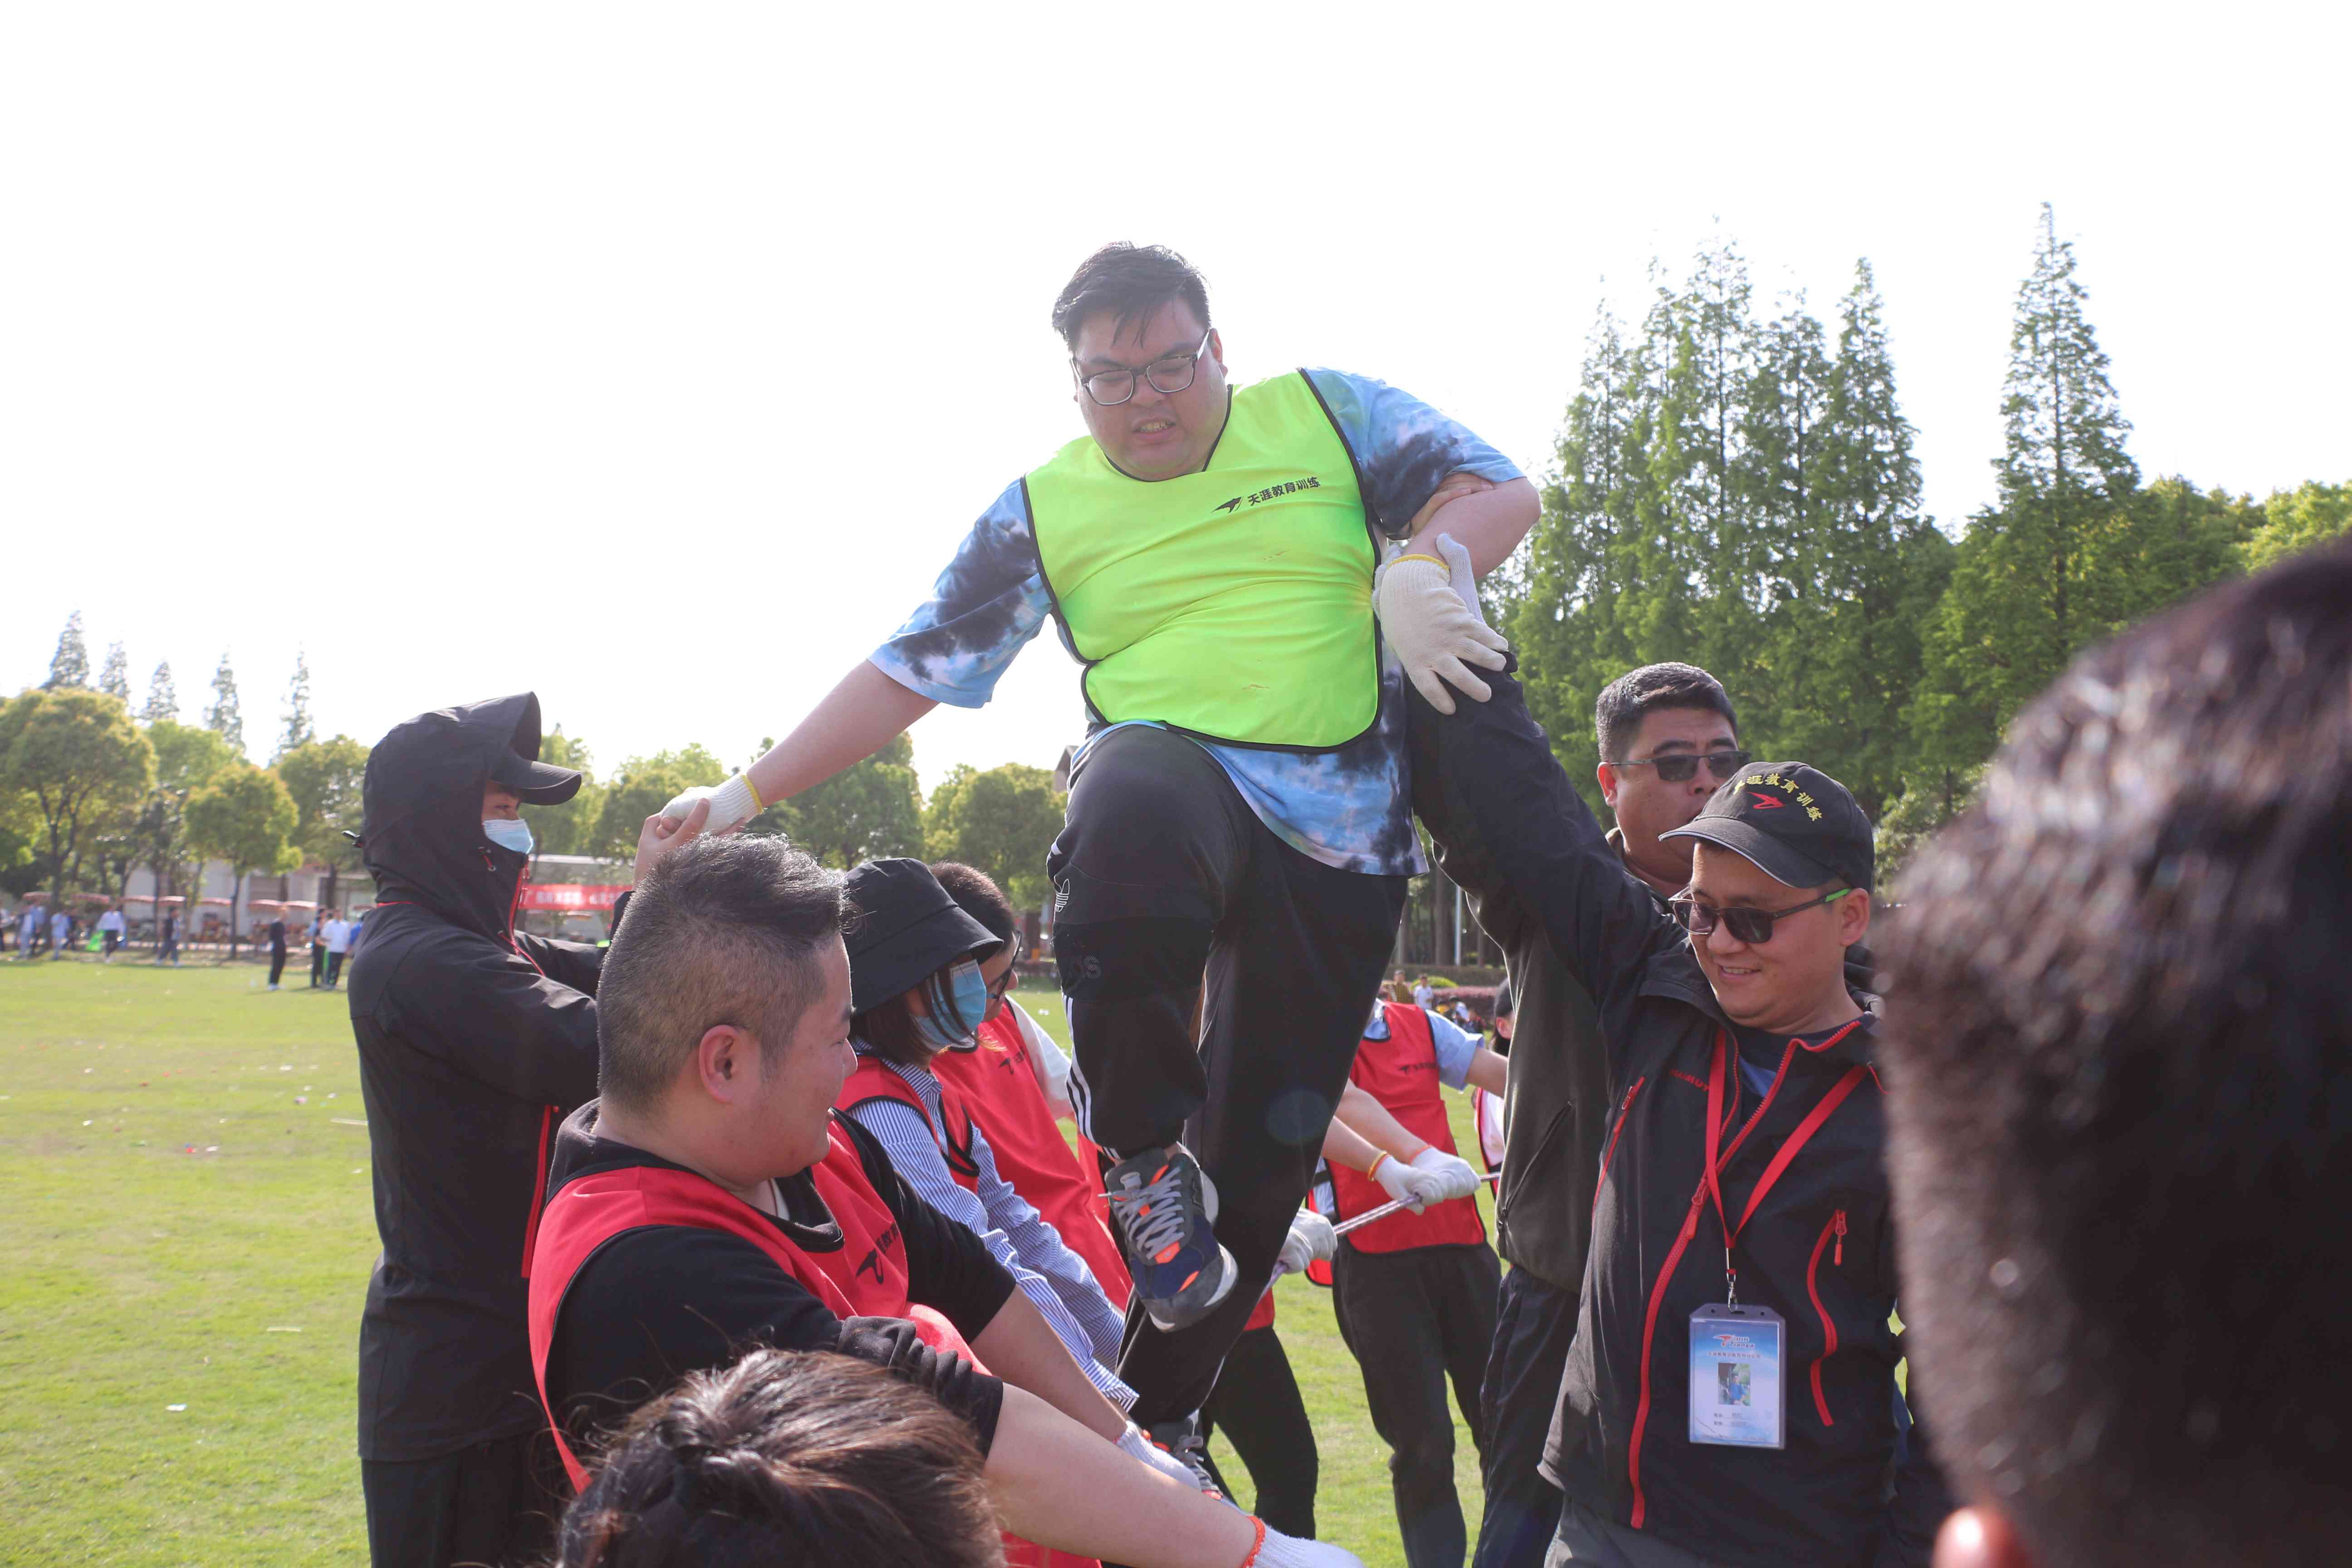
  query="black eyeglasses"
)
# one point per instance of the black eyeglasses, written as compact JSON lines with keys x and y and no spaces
{"x":1750,"y":926}
{"x":1168,"y":377}
{"x":1012,"y":972}
{"x":1683,"y":767}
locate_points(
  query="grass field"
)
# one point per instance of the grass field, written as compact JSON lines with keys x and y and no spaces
{"x":185,"y":1234}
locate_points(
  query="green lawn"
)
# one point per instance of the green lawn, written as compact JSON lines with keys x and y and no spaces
{"x":186,"y":1222}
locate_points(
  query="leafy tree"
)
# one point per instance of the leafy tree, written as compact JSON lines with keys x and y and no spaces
{"x":244,"y":817}
{"x":298,"y":729}
{"x":868,"y":810}
{"x":2295,"y":520}
{"x":22,"y":869}
{"x":186,"y":758}
{"x":70,"y":666}
{"x":79,"y":756}
{"x":571,"y":827}
{"x":1001,"y":821}
{"x":324,"y":780}
{"x":115,"y":680}
{"x":221,"y":717}
{"x":162,"y":696}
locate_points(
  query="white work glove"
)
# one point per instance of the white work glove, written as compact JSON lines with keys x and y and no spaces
{"x":1311,"y":1240}
{"x":1456,"y":1176}
{"x":1137,"y":1445}
{"x":1280,"y":1551}
{"x":1415,"y":1187}
{"x":733,"y":803}
{"x":1435,"y":632}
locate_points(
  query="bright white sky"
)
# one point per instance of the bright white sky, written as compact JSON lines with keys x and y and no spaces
{"x":657,"y":357}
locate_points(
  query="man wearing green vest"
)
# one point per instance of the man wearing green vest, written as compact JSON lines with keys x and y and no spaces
{"x":1213,"y":554}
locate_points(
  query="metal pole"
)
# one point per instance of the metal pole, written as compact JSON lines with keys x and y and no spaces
{"x":1457,"y":925}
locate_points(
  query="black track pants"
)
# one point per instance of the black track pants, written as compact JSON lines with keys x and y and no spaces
{"x":1163,"y":877}
{"x":494,"y":1504}
{"x":1534,"y":1325}
{"x":1415,"y":1320}
{"x":1258,"y":1409}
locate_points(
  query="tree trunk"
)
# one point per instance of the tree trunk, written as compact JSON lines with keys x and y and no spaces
{"x":236,"y":888}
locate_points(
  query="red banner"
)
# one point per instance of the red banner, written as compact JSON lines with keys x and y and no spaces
{"x":568,"y":897}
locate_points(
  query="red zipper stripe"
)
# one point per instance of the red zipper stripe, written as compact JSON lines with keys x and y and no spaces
{"x":1649,"y":1332}
{"x":1611,"y":1152}
{"x":1837,"y":1227}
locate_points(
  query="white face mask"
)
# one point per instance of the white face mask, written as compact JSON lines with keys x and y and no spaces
{"x":508,"y":832}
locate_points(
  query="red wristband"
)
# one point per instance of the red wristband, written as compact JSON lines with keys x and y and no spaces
{"x":1259,"y":1544}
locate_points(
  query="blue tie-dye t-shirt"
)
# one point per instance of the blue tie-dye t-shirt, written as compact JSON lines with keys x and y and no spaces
{"x":1349,"y":807}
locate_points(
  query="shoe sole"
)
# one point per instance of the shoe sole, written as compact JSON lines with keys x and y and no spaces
{"x":1172,"y":1325}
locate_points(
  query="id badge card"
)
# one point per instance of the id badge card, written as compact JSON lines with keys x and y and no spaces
{"x":1737,"y":1395}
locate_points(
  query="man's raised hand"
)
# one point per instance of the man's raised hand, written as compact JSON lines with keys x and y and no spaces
{"x":663,"y":833}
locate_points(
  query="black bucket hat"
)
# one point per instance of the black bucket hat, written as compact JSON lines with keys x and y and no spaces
{"x":906,"y":929}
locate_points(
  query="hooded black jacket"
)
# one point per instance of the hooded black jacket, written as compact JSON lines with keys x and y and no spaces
{"x":475,"y":1042}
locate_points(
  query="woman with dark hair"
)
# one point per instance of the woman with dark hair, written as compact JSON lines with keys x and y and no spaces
{"x":784,"y":1459}
{"x":924,"y":975}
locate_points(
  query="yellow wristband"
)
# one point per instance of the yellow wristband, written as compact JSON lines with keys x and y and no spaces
{"x":1372,"y":1170}
{"x":1417,"y":556}
{"x":758,"y":805}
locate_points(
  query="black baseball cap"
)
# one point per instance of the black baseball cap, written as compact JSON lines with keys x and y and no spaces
{"x":906,"y":929}
{"x":1797,"y":824}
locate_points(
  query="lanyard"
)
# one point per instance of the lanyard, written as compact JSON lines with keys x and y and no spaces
{"x":1796,"y":1139}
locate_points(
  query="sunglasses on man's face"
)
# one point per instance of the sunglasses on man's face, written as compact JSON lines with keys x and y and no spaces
{"x":1683,"y":766}
{"x":1750,"y":926}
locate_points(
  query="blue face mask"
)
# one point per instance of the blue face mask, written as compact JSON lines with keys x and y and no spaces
{"x":508,"y":832}
{"x":957,"y":998}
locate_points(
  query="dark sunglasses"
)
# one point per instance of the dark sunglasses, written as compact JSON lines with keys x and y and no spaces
{"x":1683,"y":767}
{"x":1750,"y":926}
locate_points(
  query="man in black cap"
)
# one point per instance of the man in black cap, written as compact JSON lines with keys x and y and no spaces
{"x":1730,"y":1395}
{"x":475,"y":1041}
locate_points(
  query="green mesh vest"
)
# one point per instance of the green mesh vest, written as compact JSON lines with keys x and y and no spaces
{"x":1235,"y":603}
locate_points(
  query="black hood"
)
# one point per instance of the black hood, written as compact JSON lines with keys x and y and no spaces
{"x":421,"y":834}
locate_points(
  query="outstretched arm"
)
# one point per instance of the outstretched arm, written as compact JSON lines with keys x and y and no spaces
{"x":857,"y":718}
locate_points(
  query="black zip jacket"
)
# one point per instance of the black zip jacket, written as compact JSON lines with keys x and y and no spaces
{"x":1845,"y":1491}
{"x":474,"y":1043}
{"x":652,"y":1304}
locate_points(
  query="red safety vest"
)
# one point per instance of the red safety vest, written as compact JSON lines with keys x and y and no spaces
{"x":865,"y":1278}
{"x":1401,"y":1072}
{"x":874,"y":1081}
{"x":998,"y":1084}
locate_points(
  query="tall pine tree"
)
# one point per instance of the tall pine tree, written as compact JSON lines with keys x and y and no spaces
{"x":162,"y":696}
{"x":1861,"y":567}
{"x":2025,"y":591}
{"x":221,"y":715}
{"x":298,"y":729}
{"x":115,"y":679}
{"x":70,"y":666}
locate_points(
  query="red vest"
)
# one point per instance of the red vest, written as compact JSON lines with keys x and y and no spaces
{"x":874,"y":1081}
{"x":1401,"y":1072}
{"x":998,"y":1083}
{"x":866,"y":1278}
